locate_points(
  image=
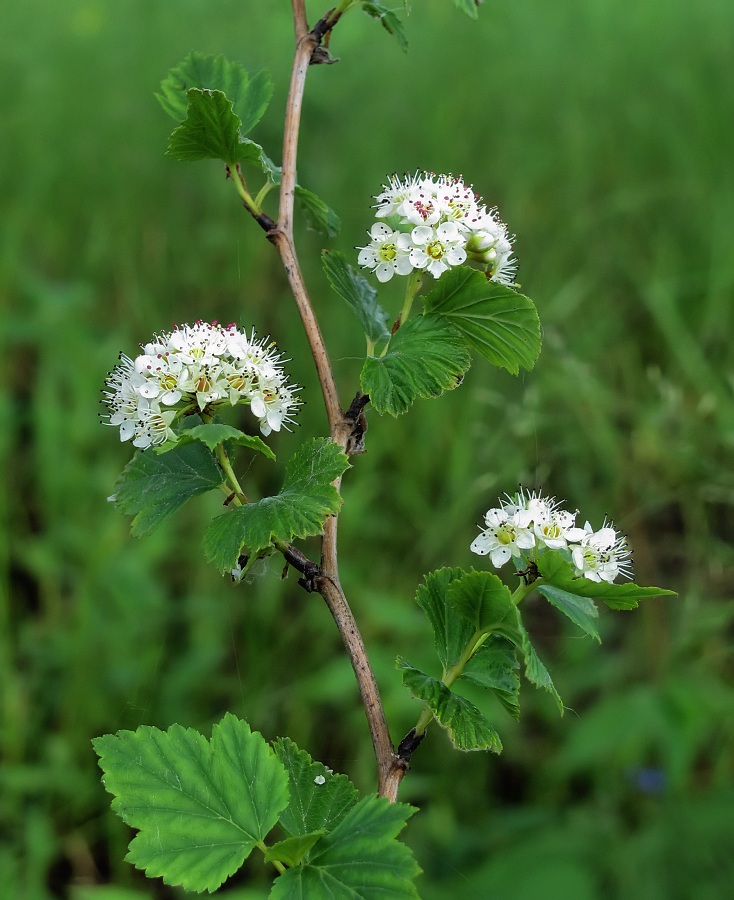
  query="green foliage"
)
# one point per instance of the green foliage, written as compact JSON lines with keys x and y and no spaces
{"x":319,"y":216}
{"x":298,"y":510}
{"x":389,"y":19}
{"x":494,"y":665}
{"x":214,"y":434}
{"x":152,"y":486}
{"x":292,"y":850}
{"x":211,"y":130}
{"x":253,"y":154}
{"x":468,"y":727}
{"x":482,"y":599}
{"x":496,"y":321}
{"x":535,"y":672}
{"x":319,"y":799}
{"x":450,"y":631}
{"x":628,"y":410}
{"x":425,"y":357}
{"x":200,"y":806}
{"x":359,"y":294}
{"x":218,"y":104}
{"x":359,"y":859}
{"x":617,"y":595}
{"x":470,"y":7}
{"x":581,"y":611}
{"x":249,"y":96}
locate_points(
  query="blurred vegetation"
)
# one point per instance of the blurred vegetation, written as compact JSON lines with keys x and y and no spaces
{"x":603,"y":132}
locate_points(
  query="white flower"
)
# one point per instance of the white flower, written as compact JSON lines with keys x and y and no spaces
{"x":420,"y":206}
{"x":503,"y":537}
{"x":196,"y":368}
{"x":272,"y":404}
{"x":437,"y":249}
{"x":387,"y":254}
{"x":600,"y":555}
{"x":154,"y":427}
{"x":528,"y":520}
{"x":393,"y":194}
{"x":163,"y":373}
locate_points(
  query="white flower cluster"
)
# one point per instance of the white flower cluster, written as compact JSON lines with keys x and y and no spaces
{"x":194,"y":369}
{"x":526,"y":521}
{"x":435,"y":222}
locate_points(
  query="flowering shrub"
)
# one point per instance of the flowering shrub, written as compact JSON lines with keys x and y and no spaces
{"x":202,"y":806}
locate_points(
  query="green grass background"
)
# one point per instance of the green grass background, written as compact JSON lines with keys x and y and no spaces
{"x":604,"y":132}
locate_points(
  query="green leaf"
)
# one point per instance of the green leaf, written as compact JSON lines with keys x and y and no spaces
{"x":319,"y":217}
{"x":450,"y":631}
{"x":214,"y":434}
{"x":535,"y":672}
{"x":254,"y":155}
{"x":293,"y":849}
{"x":494,"y":666}
{"x":496,"y":321}
{"x":211,"y":130}
{"x":482,"y":599}
{"x":250,"y":96}
{"x":359,"y":860}
{"x":299,"y":510}
{"x":425,"y":357}
{"x":467,"y":727}
{"x":200,"y":806}
{"x":319,"y":799}
{"x":560,"y":573}
{"x":581,"y":611}
{"x":469,"y":7}
{"x":151,"y":487}
{"x":358,"y":293}
{"x":390,"y":21}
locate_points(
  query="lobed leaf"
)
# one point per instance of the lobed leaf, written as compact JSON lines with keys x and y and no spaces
{"x":494,"y":666}
{"x":249,"y":96}
{"x":359,"y":860}
{"x":626,"y":595}
{"x":200,"y":806}
{"x":581,"y":611}
{"x":213,"y":434}
{"x":425,"y":357}
{"x":151,"y":487}
{"x":497,"y":322}
{"x":254,"y":155}
{"x":313,"y":806}
{"x":358,"y":293}
{"x":292,"y":850}
{"x":211,"y":129}
{"x":319,"y":216}
{"x":451,"y":632}
{"x":389,"y":19}
{"x":482,"y":599}
{"x":535,"y":671}
{"x":299,"y":510}
{"x":470,"y":7}
{"x":467,"y":727}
